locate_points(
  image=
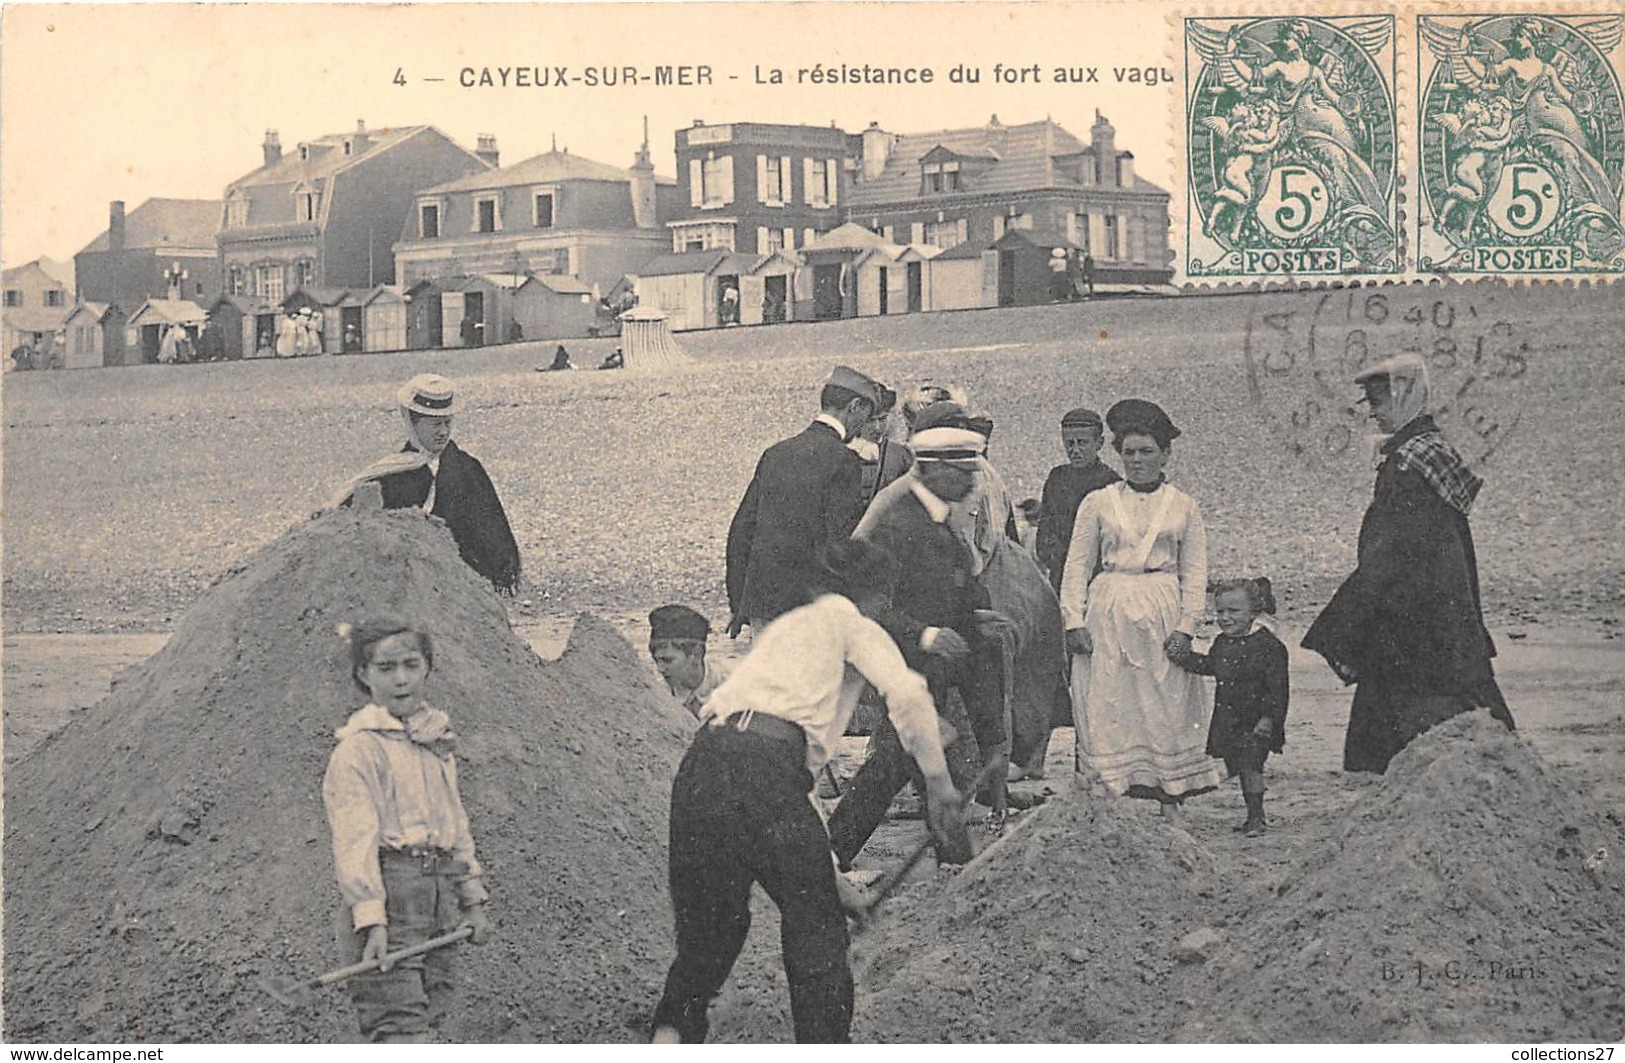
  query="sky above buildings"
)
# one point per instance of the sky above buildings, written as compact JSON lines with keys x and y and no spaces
{"x":105,"y":102}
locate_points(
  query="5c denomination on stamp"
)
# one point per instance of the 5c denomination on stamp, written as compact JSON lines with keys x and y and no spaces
{"x":1521,"y":135}
{"x":1292,"y":148}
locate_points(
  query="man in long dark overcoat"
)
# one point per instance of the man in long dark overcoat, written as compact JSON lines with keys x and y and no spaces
{"x":807,"y":492}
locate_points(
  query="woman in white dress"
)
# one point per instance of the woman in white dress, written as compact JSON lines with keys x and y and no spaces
{"x":1141,"y":721}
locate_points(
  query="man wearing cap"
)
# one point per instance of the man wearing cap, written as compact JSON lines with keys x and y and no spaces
{"x":1081,"y":435}
{"x":677,"y":637}
{"x":807,"y":492}
{"x":941,"y":617}
{"x":740,"y":810}
{"x":432,"y":473}
{"x":1407,"y":628}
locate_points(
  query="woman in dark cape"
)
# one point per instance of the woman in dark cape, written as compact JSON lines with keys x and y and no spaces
{"x":431,"y":472}
{"x":1407,"y":628}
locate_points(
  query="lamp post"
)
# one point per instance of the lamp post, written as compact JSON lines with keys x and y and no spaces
{"x":176,"y":277}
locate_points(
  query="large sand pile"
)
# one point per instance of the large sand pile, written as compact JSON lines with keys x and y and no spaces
{"x":1457,"y":905}
{"x":1472,"y":895}
{"x":169,"y":847}
{"x":1059,"y":932}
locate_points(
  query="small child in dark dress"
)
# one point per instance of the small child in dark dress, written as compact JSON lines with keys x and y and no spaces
{"x":1250,"y":700}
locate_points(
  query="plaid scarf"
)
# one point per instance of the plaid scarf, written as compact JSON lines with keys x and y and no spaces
{"x":1440,"y":464}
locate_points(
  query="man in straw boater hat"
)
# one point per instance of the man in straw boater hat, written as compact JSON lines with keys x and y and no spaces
{"x":677,"y":637}
{"x":807,"y":492}
{"x":942,"y":620}
{"x":432,"y":473}
{"x":1406,"y":628}
{"x":741,"y":812}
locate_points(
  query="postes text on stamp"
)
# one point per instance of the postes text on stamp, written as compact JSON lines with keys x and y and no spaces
{"x":1521,"y":145}
{"x":1291,"y":148}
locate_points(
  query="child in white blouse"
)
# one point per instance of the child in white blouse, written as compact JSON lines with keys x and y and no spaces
{"x":402,"y":847}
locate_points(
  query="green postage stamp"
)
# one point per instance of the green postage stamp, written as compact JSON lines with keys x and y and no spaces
{"x":1518,"y":125}
{"x":1292,"y":137}
{"x":1402,"y":142}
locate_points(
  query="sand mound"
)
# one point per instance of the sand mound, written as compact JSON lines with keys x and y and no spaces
{"x":1457,"y":905}
{"x":169,"y":847}
{"x":1056,"y":933}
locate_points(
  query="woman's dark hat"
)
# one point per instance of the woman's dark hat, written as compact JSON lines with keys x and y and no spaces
{"x":852,"y":566}
{"x":1140,"y":415}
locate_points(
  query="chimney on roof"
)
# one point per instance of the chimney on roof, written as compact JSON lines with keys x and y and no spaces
{"x":1125,"y":169}
{"x":997,"y":136}
{"x":699,"y":122}
{"x":360,"y":139}
{"x":877,"y":144}
{"x":115,"y":225}
{"x":485,"y":146}
{"x":272,"y":147}
{"x":1103,"y":142}
{"x":643,"y":184}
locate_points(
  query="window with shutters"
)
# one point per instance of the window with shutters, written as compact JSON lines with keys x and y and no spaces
{"x":822,"y":178}
{"x":268,"y":282}
{"x":945,"y":234}
{"x":712,"y":179}
{"x":236,"y":283}
{"x":769,"y":241}
{"x":1113,"y":235}
{"x":939,"y":177}
{"x":55,"y":297}
{"x":541,"y":209}
{"x":304,"y":272}
{"x":773,"y":186}
{"x":14,"y":297}
{"x":237,"y":210}
{"x":487,"y":216}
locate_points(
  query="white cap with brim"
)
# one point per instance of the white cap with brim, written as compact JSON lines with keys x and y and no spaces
{"x":429,"y":394}
{"x":1400,"y":365}
{"x":947,"y":444}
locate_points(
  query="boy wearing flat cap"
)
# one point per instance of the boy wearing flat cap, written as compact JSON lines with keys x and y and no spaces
{"x":807,"y":492}
{"x":1082,"y":432}
{"x":677,"y":637}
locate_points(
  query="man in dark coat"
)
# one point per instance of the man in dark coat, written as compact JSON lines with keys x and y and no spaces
{"x":1081,"y":434}
{"x":432,"y":473}
{"x":939,"y":610}
{"x":1407,"y":627}
{"x":807,"y":492}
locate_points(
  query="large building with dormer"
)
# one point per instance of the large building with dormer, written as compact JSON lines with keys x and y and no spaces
{"x":968,"y":186}
{"x":553,"y":214}
{"x":328,"y":213}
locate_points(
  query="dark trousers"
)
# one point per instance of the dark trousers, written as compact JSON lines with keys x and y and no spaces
{"x":407,"y":1004}
{"x":740,"y":813}
{"x":888,"y":766}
